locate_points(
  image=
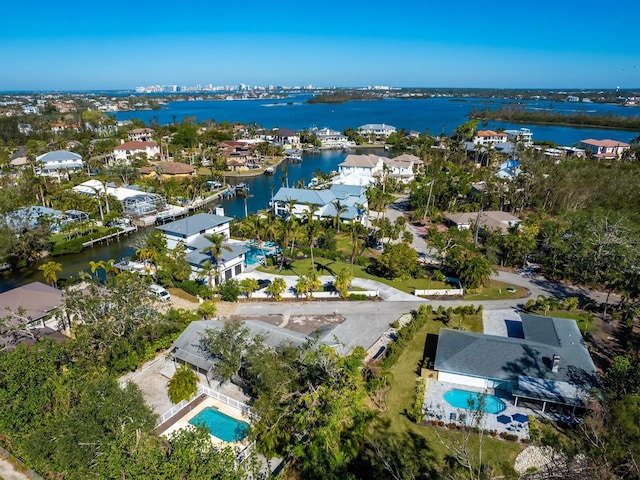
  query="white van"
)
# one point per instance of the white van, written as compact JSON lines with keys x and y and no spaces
{"x":160,"y":292}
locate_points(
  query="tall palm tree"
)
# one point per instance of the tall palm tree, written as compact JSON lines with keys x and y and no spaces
{"x":340,"y":209}
{"x":216,"y":248}
{"x":356,"y":230}
{"x":208,"y":270}
{"x":50,"y":271}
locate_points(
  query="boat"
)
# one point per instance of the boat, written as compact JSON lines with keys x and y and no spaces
{"x":241,"y":187}
{"x":269,"y":171}
{"x":293,"y":157}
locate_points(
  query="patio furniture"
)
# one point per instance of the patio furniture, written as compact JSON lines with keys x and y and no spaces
{"x":452,"y":416}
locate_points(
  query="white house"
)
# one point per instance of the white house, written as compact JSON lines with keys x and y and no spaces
{"x":286,"y":137}
{"x":541,"y":360}
{"x":403,"y":166}
{"x":331,"y":138}
{"x":489,"y":137}
{"x":58,"y":163}
{"x":141,"y":135}
{"x":523,"y":136}
{"x":496,"y":221}
{"x":130,"y":150}
{"x":191,"y":232}
{"x":366,"y":169}
{"x":379,"y":130}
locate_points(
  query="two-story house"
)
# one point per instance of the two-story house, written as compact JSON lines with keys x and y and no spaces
{"x":379,"y":130}
{"x":135,"y":149}
{"x":489,"y":137}
{"x":604,"y":149}
{"x":58,"y":163}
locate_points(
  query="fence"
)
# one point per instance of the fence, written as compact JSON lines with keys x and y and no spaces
{"x":202,"y":389}
{"x":439,"y":293}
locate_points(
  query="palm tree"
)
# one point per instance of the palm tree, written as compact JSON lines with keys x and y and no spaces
{"x":340,"y":209}
{"x":216,"y":248}
{"x":475,"y":271}
{"x":284,"y":178}
{"x":50,"y":271}
{"x":208,"y":270}
{"x":343,"y":280}
{"x":356,"y":230}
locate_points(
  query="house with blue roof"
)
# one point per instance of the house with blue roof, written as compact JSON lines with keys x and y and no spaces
{"x":323,"y":203}
{"x":58,"y":163}
{"x":191,"y":231}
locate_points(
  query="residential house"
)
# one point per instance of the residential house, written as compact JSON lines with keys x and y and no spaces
{"x":542,"y":362}
{"x":191,"y":232}
{"x":403,"y":167}
{"x":366,"y":169}
{"x":508,"y":170}
{"x":57,"y":128}
{"x":379,"y":131}
{"x":58,"y":163}
{"x":495,"y":221}
{"x":238,"y":155}
{"x":286,"y":137}
{"x":188,"y":350}
{"x":331,"y":138}
{"x":489,"y":137}
{"x":136,"y":149}
{"x":604,"y":149}
{"x":141,"y":135}
{"x":522,"y":136}
{"x":29,"y":217}
{"x":297,"y":201}
{"x":20,"y":158}
{"x":38,"y":304}
{"x":168,"y":170}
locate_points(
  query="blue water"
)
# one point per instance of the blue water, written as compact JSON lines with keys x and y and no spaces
{"x":469,"y":401}
{"x":253,"y":255}
{"x":437,"y":115}
{"x":220,"y":425}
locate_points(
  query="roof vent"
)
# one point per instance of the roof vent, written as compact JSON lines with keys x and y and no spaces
{"x":555,"y":364}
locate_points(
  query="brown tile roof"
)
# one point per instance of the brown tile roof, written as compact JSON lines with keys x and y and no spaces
{"x":170,"y":168}
{"x":490,"y":133}
{"x":604,"y":143}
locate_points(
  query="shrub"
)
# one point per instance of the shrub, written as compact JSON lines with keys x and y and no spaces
{"x":64,"y":248}
{"x":358,"y":296}
{"x":229,"y":290}
{"x":183,"y":385}
{"x":416,"y":413}
{"x":207,"y":309}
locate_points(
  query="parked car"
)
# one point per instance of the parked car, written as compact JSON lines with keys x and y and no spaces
{"x":263,"y":283}
{"x":160,"y":292}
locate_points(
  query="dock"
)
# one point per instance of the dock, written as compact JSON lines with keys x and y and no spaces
{"x":113,"y":236}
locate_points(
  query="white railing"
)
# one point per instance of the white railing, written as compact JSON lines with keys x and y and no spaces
{"x":232,"y":402}
{"x":438,"y":293}
{"x":174,"y":410}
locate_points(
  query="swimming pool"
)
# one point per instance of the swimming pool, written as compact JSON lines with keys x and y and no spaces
{"x":470,"y":400}
{"x":220,"y":425}
{"x":254,"y":255}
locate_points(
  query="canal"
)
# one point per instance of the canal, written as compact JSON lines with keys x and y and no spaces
{"x":261,"y":188}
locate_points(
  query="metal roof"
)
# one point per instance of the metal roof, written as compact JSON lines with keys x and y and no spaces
{"x":195,"y":224}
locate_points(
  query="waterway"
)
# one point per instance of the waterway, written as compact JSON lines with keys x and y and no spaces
{"x":261,"y":189}
{"x":436,"y":115}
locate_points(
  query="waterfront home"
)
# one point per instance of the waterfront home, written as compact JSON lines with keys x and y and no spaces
{"x":141,"y":135}
{"x":539,"y":361}
{"x":238,"y":155}
{"x":298,"y":201}
{"x":364,"y":170}
{"x":167,"y":170}
{"x":604,"y":149}
{"x":379,"y":131}
{"x":489,"y":137}
{"x":136,"y":149}
{"x":191,"y":231}
{"x":58,"y":163}
{"x":30,"y":312}
{"x":403,"y":167}
{"x":286,"y":138}
{"x":28,"y":218}
{"x":522,"y":136}
{"x":331,"y":138}
{"x":495,"y":221}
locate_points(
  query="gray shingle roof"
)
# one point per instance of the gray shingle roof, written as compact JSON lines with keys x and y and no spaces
{"x":504,"y":358}
{"x":192,"y":225}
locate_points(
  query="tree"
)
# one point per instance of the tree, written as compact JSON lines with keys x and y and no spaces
{"x":216,"y":248}
{"x":183,"y":385}
{"x":50,"y":272}
{"x":227,"y":345}
{"x":343,"y":282}
{"x":340,"y":208}
{"x":276,"y":288}
{"x":248,"y":286}
{"x":475,"y":271}
{"x":208,"y":270}
{"x":397,"y":261}
{"x":207,"y":309}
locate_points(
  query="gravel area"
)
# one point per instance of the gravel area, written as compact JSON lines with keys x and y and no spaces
{"x":540,"y":459}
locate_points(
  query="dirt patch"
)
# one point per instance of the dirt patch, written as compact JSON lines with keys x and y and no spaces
{"x":604,"y":343}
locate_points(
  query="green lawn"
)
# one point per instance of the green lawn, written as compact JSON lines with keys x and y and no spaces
{"x":496,"y":290}
{"x":394,"y":423}
{"x":332,"y":267}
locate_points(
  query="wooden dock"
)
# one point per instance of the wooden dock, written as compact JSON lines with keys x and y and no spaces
{"x":113,"y":236}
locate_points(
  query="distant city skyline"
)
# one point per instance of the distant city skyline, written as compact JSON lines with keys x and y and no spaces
{"x":464,"y":44}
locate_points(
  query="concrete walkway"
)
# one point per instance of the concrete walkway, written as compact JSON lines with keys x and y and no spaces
{"x":8,"y":471}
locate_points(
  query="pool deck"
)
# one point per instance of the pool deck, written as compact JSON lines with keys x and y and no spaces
{"x":183,"y":422}
{"x":437,"y":408}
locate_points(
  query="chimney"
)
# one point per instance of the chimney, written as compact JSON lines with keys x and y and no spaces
{"x":555,"y":363}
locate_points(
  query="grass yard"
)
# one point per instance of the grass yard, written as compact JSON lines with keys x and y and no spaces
{"x":495,"y":290}
{"x":393,"y":423}
{"x":332,"y":267}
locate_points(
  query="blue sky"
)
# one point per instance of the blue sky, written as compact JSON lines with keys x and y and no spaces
{"x":120,"y":45}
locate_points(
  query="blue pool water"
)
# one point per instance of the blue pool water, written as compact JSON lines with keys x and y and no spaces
{"x":469,"y":401}
{"x":253,"y":255}
{"x":220,"y":425}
